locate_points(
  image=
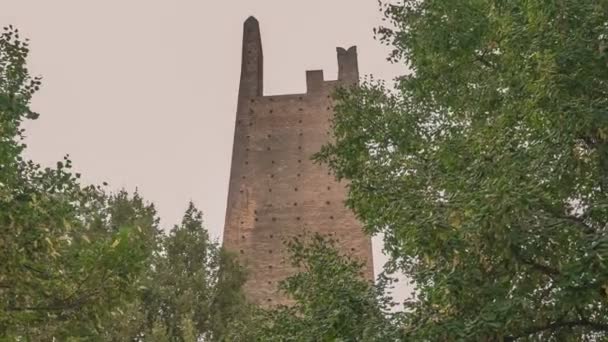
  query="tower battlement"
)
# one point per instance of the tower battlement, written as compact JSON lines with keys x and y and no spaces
{"x":276,"y":192}
{"x":252,"y":65}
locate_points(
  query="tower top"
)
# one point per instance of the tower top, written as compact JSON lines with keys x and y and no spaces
{"x":252,"y":67}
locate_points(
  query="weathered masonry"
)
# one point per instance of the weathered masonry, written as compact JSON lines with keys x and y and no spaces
{"x":276,"y":191}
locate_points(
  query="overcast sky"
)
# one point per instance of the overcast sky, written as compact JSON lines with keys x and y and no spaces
{"x":142,"y":93}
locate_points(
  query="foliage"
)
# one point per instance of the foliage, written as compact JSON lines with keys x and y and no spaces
{"x":62,"y":270}
{"x":487,"y":167}
{"x":79,"y":264}
{"x":331,"y":302}
{"x":195,"y":288}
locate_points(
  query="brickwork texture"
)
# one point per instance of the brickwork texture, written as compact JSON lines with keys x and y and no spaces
{"x":276,"y":192}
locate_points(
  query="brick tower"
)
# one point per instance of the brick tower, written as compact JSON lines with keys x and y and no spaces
{"x":276,"y":191}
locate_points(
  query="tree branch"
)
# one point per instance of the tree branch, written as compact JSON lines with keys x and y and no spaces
{"x":550,"y":271}
{"x":579,"y":222}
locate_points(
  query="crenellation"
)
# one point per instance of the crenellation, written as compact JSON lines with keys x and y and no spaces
{"x":348,"y":67}
{"x":314,"y":81}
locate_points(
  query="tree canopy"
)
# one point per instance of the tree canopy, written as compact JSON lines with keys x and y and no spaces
{"x":66,"y":264}
{"x":486,"y":167}
{"x":78,"y":263}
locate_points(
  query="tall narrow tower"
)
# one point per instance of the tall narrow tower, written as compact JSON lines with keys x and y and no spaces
{"x":276,"y":192}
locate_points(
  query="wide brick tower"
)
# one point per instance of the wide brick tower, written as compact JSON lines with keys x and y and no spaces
{"x":276,"y":192}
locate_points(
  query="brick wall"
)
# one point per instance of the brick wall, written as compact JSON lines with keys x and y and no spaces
{"x":276,"y":192}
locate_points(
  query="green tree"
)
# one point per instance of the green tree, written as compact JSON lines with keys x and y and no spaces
{"x":195,"y":286}
{"x":487,"y":166}
{"x":331,"y":302}
{"x":69,"y":264}
{"x":123,"y":211}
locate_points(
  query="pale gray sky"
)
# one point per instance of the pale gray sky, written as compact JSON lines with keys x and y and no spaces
{"x":142,"y":93}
